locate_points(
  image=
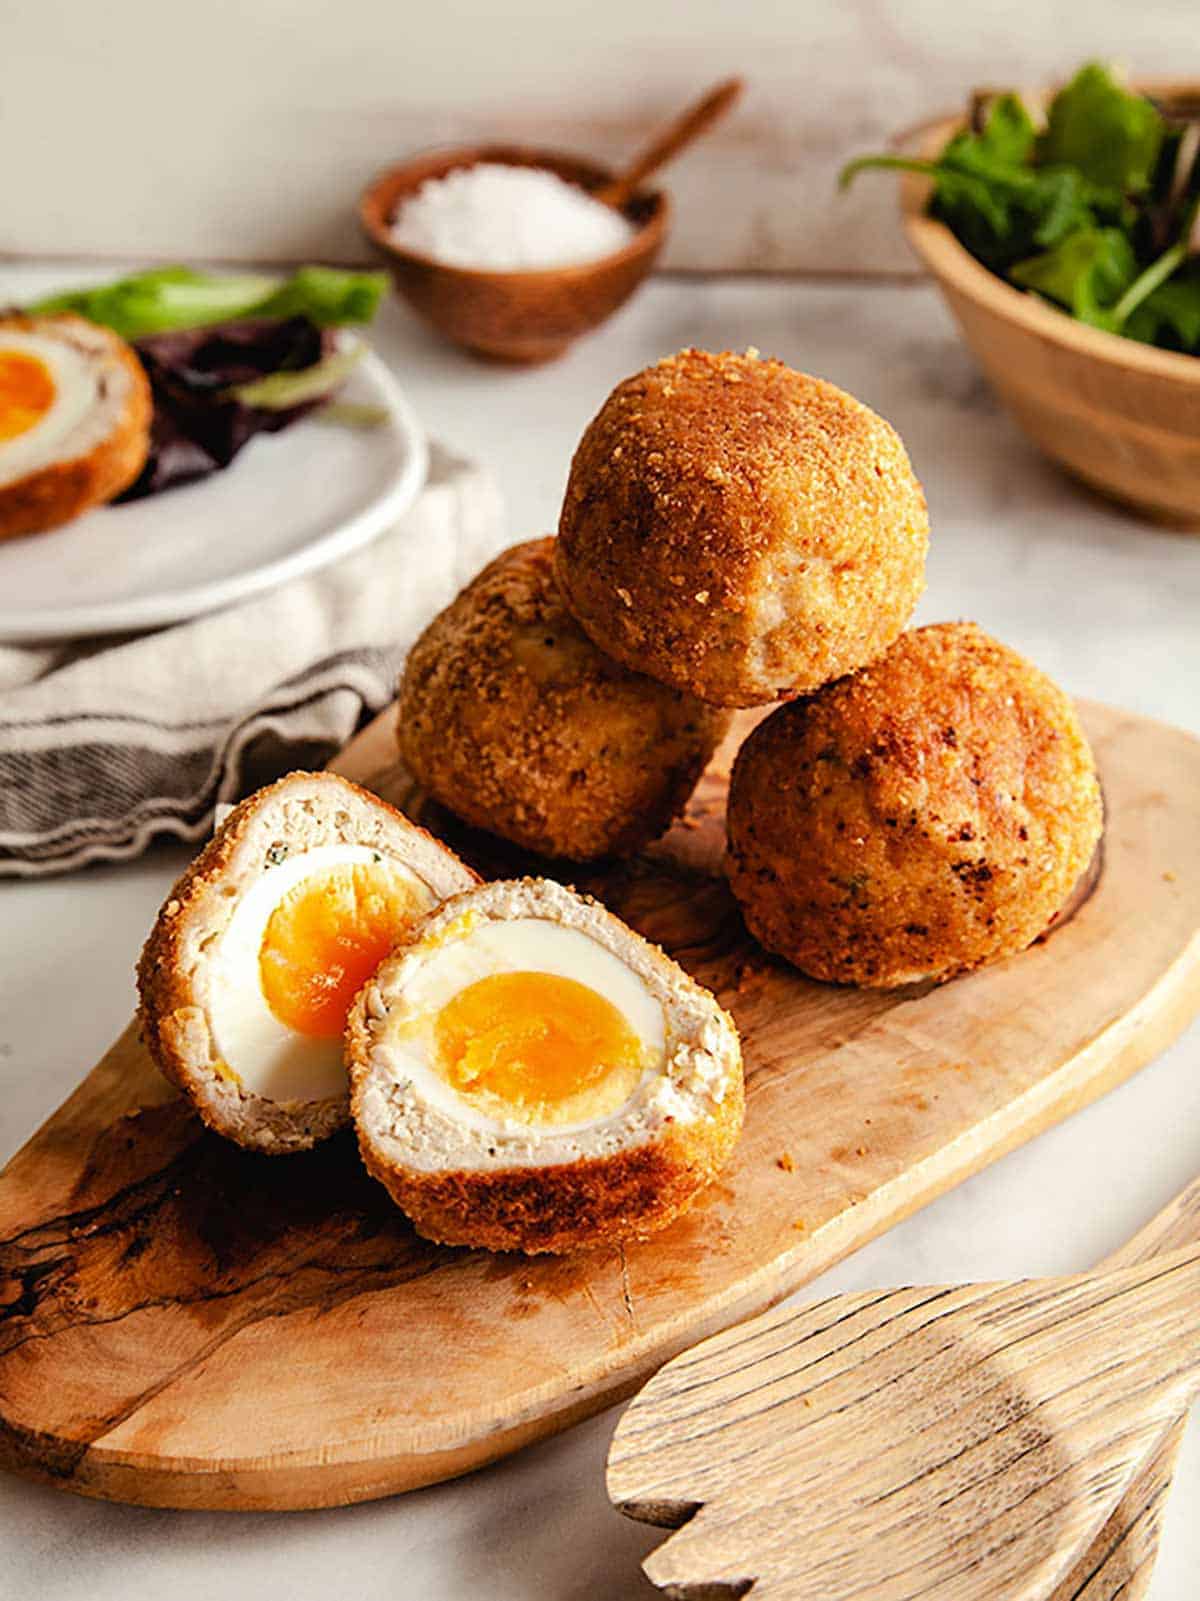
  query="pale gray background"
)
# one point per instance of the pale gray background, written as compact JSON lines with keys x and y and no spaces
{"x":246,"y":128}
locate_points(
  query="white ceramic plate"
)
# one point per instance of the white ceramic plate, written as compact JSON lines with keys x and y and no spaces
{"x":290,"y":503}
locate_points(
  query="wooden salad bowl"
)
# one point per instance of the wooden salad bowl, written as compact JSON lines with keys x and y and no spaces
{"x":513,"y":316}
{"x":1122,"y":416}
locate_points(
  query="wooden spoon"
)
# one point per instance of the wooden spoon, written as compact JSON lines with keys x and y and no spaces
{"x":936,"y":1443}
{"x":1119,"y":1561}
{"x":667,"y":144}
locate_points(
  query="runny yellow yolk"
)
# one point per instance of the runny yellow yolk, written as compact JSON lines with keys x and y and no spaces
{"x":26,"y":392}
{"x":325,"y":939}
{"x":547,"y":1049}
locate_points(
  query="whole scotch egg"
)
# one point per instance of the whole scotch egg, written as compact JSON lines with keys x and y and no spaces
{"x":259,"y":950}
{"x":75,"y":414}
{"x":510,"y":717}
{"x":529,"y":1074}
{"x":740,"y":530}
{"x":929,"y":815}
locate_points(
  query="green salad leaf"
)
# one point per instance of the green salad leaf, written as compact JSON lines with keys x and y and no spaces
{"x":1111,"y":136}
{"x":1001,"y":207}
{"x":1006,"y":139}
{"x":1087,"y":272}
{"x":1092,"y":213}
{"x":169,"y":299}
{"x":1038,"y":208}
{"x":327,"y":296}
{"x":161,"y":301}
{"x":280,"y":391}
{"x":1170,"y":314}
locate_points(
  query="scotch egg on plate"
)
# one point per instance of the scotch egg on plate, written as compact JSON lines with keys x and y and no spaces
{"x":75,"y":413}
{"x":530,"y":1074}
{"x":259,"y":950}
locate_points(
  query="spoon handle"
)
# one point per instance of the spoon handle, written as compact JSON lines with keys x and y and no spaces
{"x":689,"y":125}
{"x":1120,"y":1559}
{"x":1148,"y":1314}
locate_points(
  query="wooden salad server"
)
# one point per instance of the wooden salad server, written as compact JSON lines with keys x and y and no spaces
{"x":934,"y":1444}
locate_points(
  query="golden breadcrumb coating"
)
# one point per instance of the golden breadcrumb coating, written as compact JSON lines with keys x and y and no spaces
{"x":61,"y":490}
{"x":594,"y":1201}
{"x":926,"y":816}
{"x":740,"y":530}
{"x":511,"y":717}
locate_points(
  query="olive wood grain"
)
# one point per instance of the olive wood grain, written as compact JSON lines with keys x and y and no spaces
{"x":922,"y":1444}
{"x":185,"y":1324}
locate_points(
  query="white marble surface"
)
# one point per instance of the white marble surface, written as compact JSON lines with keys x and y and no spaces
{"x":1103,"y":601}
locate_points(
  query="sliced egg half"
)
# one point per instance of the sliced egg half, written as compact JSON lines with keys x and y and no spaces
{"x":302,"y":941}
{"x":523,"y":1025}
{"x":47,"y":388}
{"x":526,"y":1027}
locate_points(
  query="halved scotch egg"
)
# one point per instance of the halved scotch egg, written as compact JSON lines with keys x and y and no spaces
{"x":75,"y":413}
{"x":529,"y":1074}
{"x":262,"y":945}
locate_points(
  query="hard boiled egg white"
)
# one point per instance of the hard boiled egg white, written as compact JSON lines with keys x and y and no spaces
{"x":47,"y":388}
{"x":523,"y":1025}
{"x":302,"y":941}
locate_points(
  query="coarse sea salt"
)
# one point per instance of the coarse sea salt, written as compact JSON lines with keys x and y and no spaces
{"x":508,"y":219}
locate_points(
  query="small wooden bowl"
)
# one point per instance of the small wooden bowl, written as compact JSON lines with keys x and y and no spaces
{"x":1122,"y":416}
{"x":513,"y":316}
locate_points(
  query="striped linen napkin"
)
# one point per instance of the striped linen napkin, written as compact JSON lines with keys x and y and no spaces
{"x":106,"y":743}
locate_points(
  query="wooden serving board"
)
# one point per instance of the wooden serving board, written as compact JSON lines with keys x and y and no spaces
{"x":185,"y":1324}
